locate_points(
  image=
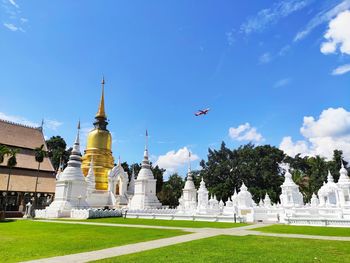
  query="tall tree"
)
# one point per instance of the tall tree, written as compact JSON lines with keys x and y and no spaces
{"x":40,"y":154}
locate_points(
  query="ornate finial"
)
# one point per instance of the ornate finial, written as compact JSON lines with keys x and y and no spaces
{"x":103,"y":80}
{"x":145,"y":162}
{"x":189,"y":161}
{"x":101,"y":109}
{"x":329,"y":177}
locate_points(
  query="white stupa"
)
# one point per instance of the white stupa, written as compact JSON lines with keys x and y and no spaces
{"x":189,"y":193}
{"x":329,"y":193}
{"x":203,"y":193}
{"x":344,"y":185}
{"x":244,"y":197}
{"x":145,"y":186}
{"x":71,"y":187}
{"x":291,"y":196}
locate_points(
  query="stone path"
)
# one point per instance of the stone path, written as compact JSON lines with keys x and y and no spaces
{"x":196,"y":233}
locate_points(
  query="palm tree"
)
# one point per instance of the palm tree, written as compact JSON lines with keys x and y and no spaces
{"x":3,"y":152}
{"x":40,"y":154}
{"x":11,"y":162}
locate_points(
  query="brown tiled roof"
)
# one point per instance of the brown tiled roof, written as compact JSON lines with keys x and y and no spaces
{"x":26,"y":139}
{"x":20,"y":135}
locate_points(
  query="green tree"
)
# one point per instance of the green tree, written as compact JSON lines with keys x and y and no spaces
{"x":158,"y":174}
{"x":256,"y":166}
{"x":171,"y":191}
{"x":4,"y":150}
{"x":40,"y":155}
{"x":56,"y":145}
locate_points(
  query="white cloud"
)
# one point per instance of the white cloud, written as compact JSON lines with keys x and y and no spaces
{"x":265,"y":58}
{"x":11,"y":27}
{"x":24,"y":20}
{"x":341,"y":70}
{"x":230,"y":38}
{"x":49,"y":124}
{"x":322,"y":136}
{"x":52,"y":124}
{"x":282,"y":82}
{"x":322,"y":17}
{"x":293,"y":148}
{"x":338,"y":35}
{"x":272,"y":15}
{"x":173,"y":160}
{"x":13,"y":19}
{"x":18,"y":119}
{"x":12,"y":2}
{"x":245,"y":132}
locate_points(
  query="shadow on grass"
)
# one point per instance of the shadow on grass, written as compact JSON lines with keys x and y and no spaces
{"x":7,"y":221}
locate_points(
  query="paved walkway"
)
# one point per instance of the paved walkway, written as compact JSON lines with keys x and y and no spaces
{"x":196,"y":233}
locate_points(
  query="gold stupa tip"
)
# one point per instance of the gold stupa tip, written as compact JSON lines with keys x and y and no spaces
{"x":101,"y":109}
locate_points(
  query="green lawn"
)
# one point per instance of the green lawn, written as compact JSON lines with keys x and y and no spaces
{"x":159,"y":222}
{"x":306,"y":230}
{"x":25,"y":240}
{"x":245,"y":249}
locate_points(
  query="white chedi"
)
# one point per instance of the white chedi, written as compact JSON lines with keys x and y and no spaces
{"x":329,"y":192}
{"x":189,"y":192}
{"x":291,"y":196}
{"x":203,"y":195}
{"x":71,"y":188}
{"x":244,"y":198}
{"x":145,"y":187}
{"x":267,"y":200}
{"x":344,"y":185}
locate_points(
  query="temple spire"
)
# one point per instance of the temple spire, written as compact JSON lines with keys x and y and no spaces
{"x":189,"y":173}
{"x":145,"y":162}
{"x":189,"y":162}
{"x":75,"y":156}
{"x":101,"y":109}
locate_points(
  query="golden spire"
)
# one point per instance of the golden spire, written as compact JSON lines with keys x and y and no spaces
{"x":101,"y":109}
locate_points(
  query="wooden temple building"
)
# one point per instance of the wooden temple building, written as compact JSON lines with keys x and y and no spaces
{"x":23,"y":176}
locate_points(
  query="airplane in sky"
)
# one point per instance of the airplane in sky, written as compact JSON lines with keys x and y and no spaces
{"x":202,"y":112}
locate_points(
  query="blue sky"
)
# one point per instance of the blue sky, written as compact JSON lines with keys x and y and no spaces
{"x":261,"y":66}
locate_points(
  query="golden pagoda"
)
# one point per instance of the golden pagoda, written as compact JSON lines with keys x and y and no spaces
{"x":99,"y":148}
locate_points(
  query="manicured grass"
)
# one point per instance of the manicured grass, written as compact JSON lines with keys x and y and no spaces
{"x":245,"y":249}
{"x":159,"y":222}
{"x":307,"y":230}
{"x":26,"y":240}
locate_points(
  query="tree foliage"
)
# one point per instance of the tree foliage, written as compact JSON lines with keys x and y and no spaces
{"x":171,"y":191}
{"x":258,"y":167}
{"x":57,"y":146}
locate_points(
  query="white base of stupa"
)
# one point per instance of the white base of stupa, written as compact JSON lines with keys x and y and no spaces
{"x":144,"y":202}
{"x":104,"y":198}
